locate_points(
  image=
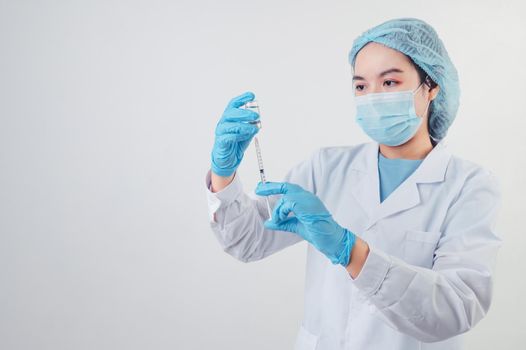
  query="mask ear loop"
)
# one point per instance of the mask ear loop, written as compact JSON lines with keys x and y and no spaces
{"x":434,"y":141}
{"x":428,"y":103}
{"x":414,"y":92}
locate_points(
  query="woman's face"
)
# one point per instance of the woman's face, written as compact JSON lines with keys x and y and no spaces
{"x":379,"y":68}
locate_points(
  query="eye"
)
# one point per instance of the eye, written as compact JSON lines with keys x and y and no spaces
{"x":359,"y":87}
{"x":390,"y":83}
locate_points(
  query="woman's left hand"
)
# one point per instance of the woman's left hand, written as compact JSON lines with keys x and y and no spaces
{"x":311,"y":220}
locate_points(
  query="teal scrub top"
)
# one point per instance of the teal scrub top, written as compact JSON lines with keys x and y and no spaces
{"x":393,"y":172}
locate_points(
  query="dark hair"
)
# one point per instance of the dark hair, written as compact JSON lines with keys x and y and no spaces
{"x":424,"y":77}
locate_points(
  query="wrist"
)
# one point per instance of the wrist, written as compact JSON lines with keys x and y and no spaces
{"x":218,"y":182}
{"x":349,"y":241}
{"x":359,"y":253}
{"x":221,"y":172}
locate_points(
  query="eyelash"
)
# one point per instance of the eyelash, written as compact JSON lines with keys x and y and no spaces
{"x":390,"y":81}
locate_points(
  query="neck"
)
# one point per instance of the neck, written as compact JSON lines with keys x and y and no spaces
{"x":416,"y":148}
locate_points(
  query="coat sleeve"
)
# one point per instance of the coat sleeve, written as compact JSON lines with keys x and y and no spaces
{"x":449,"y":299}
{"x":237,"y":218}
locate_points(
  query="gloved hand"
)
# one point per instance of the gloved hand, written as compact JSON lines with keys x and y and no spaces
{"x":233,"y":135}
{"x":311,"y":220}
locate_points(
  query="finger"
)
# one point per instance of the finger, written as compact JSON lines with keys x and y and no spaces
{"x":282,"y":210}
{"x":289,"y":225}
{"x":236,"y":128}
{"x":269,"y":188}
{"x":276,"y":209}
{"x":237,"y":114}
{"x":232,"y":138}
{"x":240,"y":100}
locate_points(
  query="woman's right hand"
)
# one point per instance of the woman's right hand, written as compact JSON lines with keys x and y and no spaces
{"x":233,"y":135}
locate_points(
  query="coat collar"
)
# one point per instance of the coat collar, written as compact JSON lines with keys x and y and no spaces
{"x":366,"y":184}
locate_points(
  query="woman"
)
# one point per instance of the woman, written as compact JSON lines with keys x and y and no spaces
{"x":401,"y":232}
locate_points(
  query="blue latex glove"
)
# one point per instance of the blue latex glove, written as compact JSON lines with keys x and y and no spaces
{"x":233,"y":135}
{"x":311,"y":220}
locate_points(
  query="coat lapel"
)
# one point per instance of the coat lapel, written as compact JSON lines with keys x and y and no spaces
{"x":364,"y":181}
{"x":366,"y":184}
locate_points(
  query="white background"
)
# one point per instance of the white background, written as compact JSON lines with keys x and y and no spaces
{"x":107,"y":117}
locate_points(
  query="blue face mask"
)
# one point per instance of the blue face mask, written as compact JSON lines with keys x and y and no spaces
{"x":388,"y":118}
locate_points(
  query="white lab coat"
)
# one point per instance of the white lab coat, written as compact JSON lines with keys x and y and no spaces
{"x":433,"y":245}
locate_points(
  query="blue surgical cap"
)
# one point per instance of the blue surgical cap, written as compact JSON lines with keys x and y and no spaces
{"x":418,"y":40}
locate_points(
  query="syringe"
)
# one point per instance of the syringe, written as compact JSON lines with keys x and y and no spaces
{"x":253,"y":105}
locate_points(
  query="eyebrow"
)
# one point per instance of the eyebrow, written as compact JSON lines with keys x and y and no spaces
{"x":385,"y":72}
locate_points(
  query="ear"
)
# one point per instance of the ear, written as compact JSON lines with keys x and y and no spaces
{"x":433,"y":92}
